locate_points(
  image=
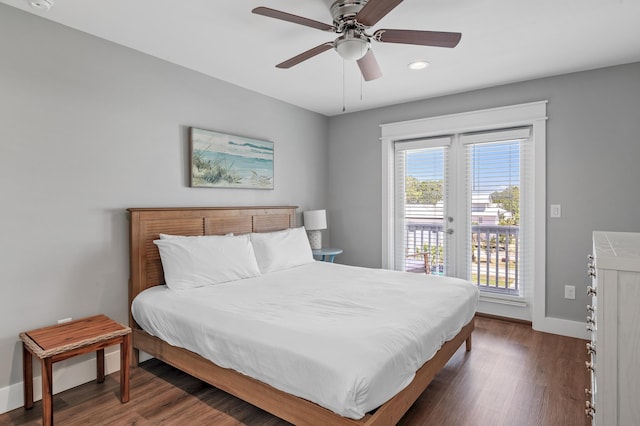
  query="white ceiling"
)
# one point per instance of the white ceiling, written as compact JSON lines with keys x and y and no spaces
{"x":503,"y":41}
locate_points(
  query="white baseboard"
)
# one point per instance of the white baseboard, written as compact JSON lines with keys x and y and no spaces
{"x":551,"y":325}
{"x":66,"y":375}
{"x":562,"y":327}
{"x":503,"y":309}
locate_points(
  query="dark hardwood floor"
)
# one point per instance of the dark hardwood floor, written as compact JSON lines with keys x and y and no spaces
{"x":513,"y":376}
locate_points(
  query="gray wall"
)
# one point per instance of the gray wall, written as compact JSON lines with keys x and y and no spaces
{"x":593,"y":150}
{"x":89,"y":128}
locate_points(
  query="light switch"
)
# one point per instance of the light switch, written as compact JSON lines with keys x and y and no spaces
{"x":556,"y":210}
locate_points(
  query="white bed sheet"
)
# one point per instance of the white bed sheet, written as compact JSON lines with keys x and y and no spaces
{"x":346,"y":338}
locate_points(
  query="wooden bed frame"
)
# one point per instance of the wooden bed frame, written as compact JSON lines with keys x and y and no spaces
{"x":146,"y":272}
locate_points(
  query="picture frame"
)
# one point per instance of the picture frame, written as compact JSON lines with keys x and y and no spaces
{"x":220,"y":160}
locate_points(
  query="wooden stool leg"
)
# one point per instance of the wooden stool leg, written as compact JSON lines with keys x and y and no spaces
{"x":124,"y":367}
{"x":47,"y":392}
{"x":100,"y":365}
{"x":468,"y":343}
{"x":27,"y":377}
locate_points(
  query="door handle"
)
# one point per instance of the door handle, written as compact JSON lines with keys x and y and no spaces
{"x":449,"y":231}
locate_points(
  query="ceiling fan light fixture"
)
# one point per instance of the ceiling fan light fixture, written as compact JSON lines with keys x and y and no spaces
{"x":418,"y":65}
{"x":351,"y":48}
{"x":351,"y":20}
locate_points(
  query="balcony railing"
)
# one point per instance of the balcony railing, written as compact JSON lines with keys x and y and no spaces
{"x":495,"y":251}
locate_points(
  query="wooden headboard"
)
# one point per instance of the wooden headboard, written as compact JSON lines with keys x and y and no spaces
{"x":147,"y":223}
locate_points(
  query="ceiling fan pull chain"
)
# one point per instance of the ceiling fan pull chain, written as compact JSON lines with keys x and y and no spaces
{"x":361,"y":76}
{"x":344,"y":84}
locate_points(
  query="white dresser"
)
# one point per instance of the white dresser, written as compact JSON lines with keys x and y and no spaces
{"x":614,"y":319}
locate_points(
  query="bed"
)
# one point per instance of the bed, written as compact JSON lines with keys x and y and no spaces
{"x":146,"y":273}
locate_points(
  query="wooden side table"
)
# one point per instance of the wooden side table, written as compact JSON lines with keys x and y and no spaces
{"x":63,"y":341}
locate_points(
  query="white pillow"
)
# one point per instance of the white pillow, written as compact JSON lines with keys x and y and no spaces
{"x":280,"y":250}
{"x":190,"y":262}
{"x":168,"y":236}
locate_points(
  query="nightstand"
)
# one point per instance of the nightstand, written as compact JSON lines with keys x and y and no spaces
{"x":63,"y":341}
{"x":327,"y":254}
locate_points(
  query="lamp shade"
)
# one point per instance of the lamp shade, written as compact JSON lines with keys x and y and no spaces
{"x":315,"y":219}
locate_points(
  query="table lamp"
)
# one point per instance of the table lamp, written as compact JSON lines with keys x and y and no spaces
{"x":314,"y":221}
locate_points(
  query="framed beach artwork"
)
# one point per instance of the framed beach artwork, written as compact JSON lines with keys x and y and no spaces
{"x":219,"y":160}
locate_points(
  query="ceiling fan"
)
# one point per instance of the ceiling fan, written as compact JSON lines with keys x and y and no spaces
{"x":352,"y":19}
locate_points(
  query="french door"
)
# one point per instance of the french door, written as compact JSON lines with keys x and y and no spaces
{"x":424,"y":225}
{"x":458,"y":207}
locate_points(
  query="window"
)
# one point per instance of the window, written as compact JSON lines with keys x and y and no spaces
{"x":458,"y":199}
{"x":498,"y":182}
{"x":420,"y":187}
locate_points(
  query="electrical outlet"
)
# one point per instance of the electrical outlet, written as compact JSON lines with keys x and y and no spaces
{"x":63,"y":320}
{"x":570,"y":292}
{"x":556,"y":211}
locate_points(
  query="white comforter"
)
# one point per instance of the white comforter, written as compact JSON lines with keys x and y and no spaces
{"x":346,"y":338}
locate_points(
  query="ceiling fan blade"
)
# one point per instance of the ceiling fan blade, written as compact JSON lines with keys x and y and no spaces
{"x":425,"y":38}
{"x":306,"y":55}
{"x":369,"y":66}
{"x":375,"y":10}
{"x":272,"y":13}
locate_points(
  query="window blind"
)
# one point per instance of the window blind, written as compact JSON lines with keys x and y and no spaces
{"x":421,"y":167}
{"x":497,"y":170}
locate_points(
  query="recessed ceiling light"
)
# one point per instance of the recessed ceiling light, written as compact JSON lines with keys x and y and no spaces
{"x":41,"y":4}
{"x":418,"y":65}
